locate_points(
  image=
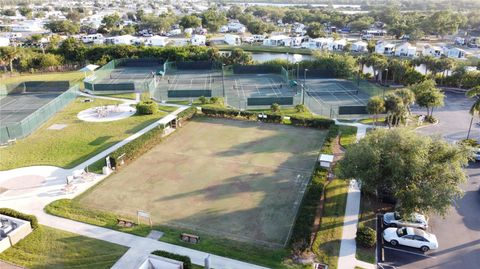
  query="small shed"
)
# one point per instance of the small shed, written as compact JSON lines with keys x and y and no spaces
{"x":325,"y":160}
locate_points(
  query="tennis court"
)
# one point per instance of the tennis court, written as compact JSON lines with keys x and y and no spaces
{"x":189,"y":84}
{"x":234,"y":179}
{"x":125,"y":75}
{"x":16,"y":107}
{"x":241,"y":90}
{"x":334,"y":97}
{"x":26,"y":105}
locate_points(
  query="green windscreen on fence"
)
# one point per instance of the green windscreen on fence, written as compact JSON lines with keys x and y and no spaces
{"x":352,"y":110}
{"x":189,"y":93}
{"x":29,"y":124}
{"x":267,"y":101}
{"x":257,"y":69}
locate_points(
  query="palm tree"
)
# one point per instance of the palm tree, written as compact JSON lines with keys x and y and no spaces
{"x":475,"y":109}
{"x":474,"y":93}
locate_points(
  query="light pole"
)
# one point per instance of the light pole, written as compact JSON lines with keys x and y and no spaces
{"x":304,"y":83}
{"x":223,"y":84}
{"x":298,"y":71}
{"x":386,"y":77}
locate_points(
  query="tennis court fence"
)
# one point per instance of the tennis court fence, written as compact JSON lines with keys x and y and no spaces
{"x":29,"y":124}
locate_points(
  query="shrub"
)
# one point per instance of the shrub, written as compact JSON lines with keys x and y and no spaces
{"x":147,"y":108}
{"x":187,"y":263}
{"x":366,"y":236}
{"x":275,"y":107}
{"x":202,"y":99}
{"x":300,"y":108}
{"x":274,"y":118}
{"x":312,"y":122}
{"x":430,"y":119}
{"x":187,"y":113}
{"x":19,"y":215}
{"x":214,"y":100}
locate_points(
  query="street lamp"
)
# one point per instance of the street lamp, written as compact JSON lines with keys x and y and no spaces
{"x":386,"y":77}
{"x":223,"y":84}
{"x":303,"y":86}
{"x":298,"y":71}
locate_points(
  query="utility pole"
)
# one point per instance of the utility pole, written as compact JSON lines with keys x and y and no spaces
{"x":223,"y":84}
{"x":304,"y":84}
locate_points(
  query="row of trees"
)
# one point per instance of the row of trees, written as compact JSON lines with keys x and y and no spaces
{"x":396,"y":104}
{"x":263,"y":19}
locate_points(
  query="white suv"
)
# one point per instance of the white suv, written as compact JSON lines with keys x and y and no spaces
{"x":410,"y":237}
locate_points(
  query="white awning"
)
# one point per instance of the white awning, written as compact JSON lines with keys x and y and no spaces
{"x":90,"y":67}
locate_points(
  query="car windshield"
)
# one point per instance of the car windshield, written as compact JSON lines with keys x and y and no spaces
{"x":396,"y":215}
{"x":401,"y":232}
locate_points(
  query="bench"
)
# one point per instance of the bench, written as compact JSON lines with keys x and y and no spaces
{"x":125,"y":223}
{"x":190,"y":238}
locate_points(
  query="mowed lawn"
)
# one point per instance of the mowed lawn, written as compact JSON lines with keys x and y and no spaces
{"x":75,"y":143}
{"x":236,"y":179}
{"x":51,"y":248}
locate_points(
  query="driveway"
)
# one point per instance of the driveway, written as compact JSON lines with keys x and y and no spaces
{"x":454,"y":119}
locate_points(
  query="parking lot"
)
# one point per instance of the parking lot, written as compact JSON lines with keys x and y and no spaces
{"x":458,"y":233}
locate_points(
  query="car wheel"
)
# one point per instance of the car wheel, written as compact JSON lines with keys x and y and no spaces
{"x":394,"y":242}
{"x":425,"y":248}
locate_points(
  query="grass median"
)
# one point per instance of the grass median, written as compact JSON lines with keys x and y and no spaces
{"x":51,"y":248}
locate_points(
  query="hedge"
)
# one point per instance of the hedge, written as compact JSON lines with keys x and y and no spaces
{"x":19,"y":215}
{"x":187,"y":263}
{"x":233,"y":113}
{"x":306,"y":213}
{"x":147,"y":107}
{"x":187,"y":113}
{"x":366,"y":236}
{"x":312,"y":122}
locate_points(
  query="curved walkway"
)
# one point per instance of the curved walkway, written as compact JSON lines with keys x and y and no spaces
{"x":44,"y":185}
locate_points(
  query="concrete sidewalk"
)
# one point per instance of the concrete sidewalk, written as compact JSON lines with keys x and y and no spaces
{"x":348,"y":247}
{"x":140,"y":247}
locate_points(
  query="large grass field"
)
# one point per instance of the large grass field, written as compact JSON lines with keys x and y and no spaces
{"x":235,"y":179}
{"x":51,"y":248}
{"x":73,"y":144}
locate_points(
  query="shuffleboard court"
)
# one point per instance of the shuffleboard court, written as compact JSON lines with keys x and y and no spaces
{"x":234,"y":179}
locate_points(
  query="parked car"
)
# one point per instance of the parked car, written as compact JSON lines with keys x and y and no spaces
{"x":476,"y":154}
{"x":410,"y":237}
{"x":394,"y":219}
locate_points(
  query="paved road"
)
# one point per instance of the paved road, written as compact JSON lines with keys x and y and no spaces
{"x":459,"y":232}
{"x":454,"y":119}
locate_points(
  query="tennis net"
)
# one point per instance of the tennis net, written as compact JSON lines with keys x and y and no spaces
{"x":259,"y":87}
{"x":120,"y":75}
{"x":320,"y":93}
{"x":192,"y":81}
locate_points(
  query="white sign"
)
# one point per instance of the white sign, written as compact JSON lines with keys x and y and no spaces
{"x":143,"y":214}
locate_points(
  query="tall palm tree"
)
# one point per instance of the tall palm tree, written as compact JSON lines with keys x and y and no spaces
{"x":475,"y":109}
{"x":475,"y":93}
